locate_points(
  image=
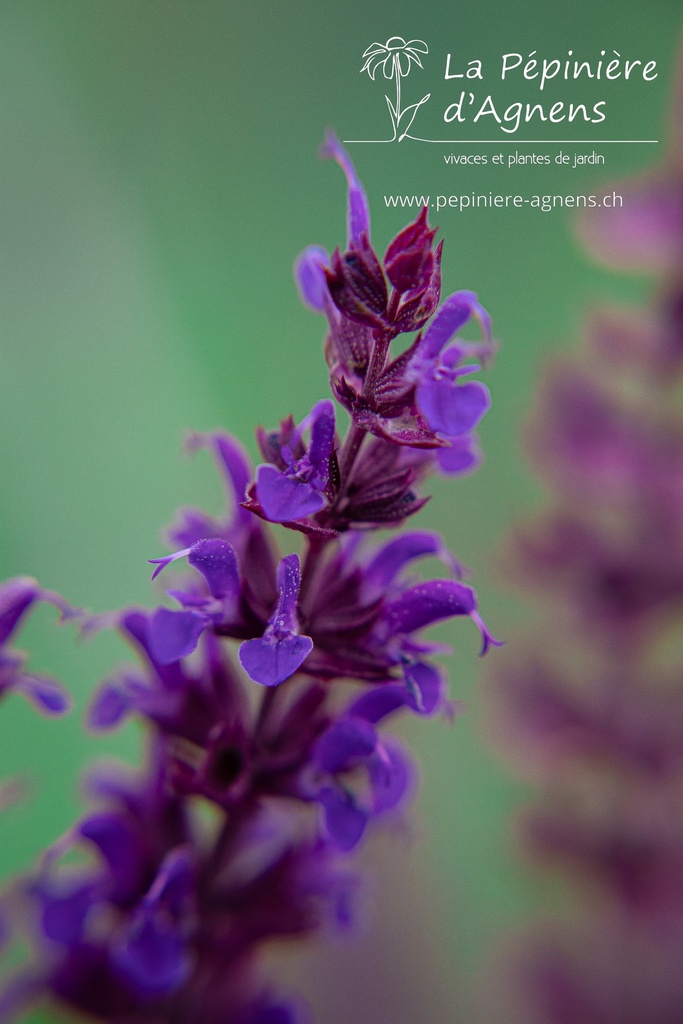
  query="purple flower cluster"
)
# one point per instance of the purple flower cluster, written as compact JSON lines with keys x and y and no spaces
{"x":265,"y":770}
{"x":595,"y":710}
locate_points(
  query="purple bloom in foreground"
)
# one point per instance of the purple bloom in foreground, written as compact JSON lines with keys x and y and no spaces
{"x":267,"y":690}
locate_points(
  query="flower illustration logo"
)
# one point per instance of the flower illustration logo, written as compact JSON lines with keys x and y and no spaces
{"x":396,"y":58}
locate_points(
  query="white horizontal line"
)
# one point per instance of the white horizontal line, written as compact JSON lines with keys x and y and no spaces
{"x":520,"y":142}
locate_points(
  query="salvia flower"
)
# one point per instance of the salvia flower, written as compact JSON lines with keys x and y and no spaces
{"x":267,"y":766}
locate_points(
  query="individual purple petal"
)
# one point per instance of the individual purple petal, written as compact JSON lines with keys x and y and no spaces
{"x":310,"y":277}
{"x":322,"y":438}
{"x":174,"y":635}
{"x":284,"y":498}
{"x":392,"y":557}
{"x":390,"y":777}
{"x":344,"y":743}
{"x":426,"y":603}
{"x":44,"y":693}
{"x":426,"y":687}
{"x":380,"y":701}
{"x":16,"y":597}
{"x":63,"y":914}
{"x":110,"y":705}
{"x":462,"y":456}
{"x":269,"y":661}
{"x":358,"y":215}
{"x":217,"y":562}
{"x":277,"y":655}
{"x":454,"y":313}
{"x":450,"y":408}
{"x":173,"y":884}
{"x":487,"y":638}
{"x":288,"y":580}
{"x":344,"y":821}
{"x":120,"y":847}
{"x":152,"y":956}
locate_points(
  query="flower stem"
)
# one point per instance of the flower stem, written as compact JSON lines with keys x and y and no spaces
{"x":348,"y":454}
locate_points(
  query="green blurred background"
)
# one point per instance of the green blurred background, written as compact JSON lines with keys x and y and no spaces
{"x":159,"y":175}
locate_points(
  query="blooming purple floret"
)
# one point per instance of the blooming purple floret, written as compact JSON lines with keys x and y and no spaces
{"x":277,"y":655}
{"x":285,"y":740}
{"x":299,"y":488}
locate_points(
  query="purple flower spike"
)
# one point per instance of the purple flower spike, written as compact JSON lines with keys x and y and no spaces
{"x":358,"y":209}
{"x":275,"y":656}
{"x":300,"y":490}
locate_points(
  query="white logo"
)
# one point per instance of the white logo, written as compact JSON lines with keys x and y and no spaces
{"x":395,"y":58}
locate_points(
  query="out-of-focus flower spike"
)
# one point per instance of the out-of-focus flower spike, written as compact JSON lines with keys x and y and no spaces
{"x":358,"y":208}
{"x":276,"y":656}
{"x":310,"y":277}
